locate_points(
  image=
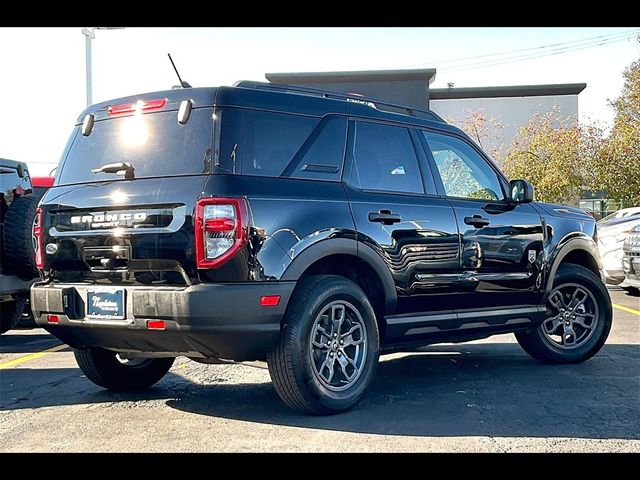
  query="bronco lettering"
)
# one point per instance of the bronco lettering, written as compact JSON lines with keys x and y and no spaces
{"x":103,"y":220}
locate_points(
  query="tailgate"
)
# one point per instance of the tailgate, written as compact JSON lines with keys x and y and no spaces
{"x":138,"y":231}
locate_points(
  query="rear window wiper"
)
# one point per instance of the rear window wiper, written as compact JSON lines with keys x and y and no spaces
{"x":116,"y":168}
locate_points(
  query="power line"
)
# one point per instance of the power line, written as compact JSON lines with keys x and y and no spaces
{"x":540,"y":47}
{"x":596,"y":39}
{"x":534,"y":55}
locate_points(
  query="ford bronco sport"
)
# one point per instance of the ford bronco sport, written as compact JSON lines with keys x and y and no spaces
{"x":311,"y":229}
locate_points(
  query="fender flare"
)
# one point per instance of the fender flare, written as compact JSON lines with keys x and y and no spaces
{"x":583,"y":243}
{"x":344,"y":246}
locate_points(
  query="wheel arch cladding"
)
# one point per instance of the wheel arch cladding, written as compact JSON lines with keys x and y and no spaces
{"x":352,"y":260}
{"x":579,"y":251}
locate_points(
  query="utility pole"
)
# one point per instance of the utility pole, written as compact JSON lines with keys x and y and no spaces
{"x":89,"y":34}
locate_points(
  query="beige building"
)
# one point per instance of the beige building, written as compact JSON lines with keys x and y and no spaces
{"x":509,"y":107}
{"x":506,"y":109}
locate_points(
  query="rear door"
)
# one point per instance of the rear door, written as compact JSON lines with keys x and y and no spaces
{"x":500,"y":241}
{"x":396,"y":212}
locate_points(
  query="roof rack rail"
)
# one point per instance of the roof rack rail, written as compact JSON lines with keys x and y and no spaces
{"x":349,"y":97}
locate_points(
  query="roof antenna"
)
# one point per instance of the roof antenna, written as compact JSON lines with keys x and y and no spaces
{"x":183,"y":84}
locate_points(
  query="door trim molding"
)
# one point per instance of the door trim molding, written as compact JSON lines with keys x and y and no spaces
{"x":471,"y":276}
{"x":455,"y":322}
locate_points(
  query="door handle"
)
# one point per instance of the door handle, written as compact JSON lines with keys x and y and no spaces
{"x":385,"y":217}
{"x":476,"y":221}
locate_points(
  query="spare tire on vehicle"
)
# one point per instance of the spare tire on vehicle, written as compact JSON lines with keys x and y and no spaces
{"x":10,"y":313}
{"x":18,"y":254}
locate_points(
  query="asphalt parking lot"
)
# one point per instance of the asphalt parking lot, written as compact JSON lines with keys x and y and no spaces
{"x":482,"y":396}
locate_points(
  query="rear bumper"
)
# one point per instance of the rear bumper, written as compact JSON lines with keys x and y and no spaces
{"x":205,"y":320}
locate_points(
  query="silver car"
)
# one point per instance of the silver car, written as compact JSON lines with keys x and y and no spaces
{"x":631,"y":261}
{"x":612,"y":232}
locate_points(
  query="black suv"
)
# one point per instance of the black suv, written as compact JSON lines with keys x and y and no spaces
{"x":311,"y":229}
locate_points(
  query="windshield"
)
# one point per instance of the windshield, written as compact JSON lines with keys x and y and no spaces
{"x":155,"y":144}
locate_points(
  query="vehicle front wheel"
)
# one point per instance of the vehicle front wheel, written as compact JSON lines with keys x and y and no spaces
{"x":328,"y":349}
{"x":107,"y":369}
{"x":578,"y":322}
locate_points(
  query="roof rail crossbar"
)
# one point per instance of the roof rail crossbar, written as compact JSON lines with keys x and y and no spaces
{"x":353,"y":97}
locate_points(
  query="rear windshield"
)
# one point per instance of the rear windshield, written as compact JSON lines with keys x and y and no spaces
{"x":154,"y":143}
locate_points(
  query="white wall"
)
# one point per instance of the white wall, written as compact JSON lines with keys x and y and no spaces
{"x":510,"y":112}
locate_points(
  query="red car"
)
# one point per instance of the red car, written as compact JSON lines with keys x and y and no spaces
{"x":41,"y":185}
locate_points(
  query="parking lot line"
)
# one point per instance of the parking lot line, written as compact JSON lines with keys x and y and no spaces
{"x":626,"y":309}
{"x":33,"y":356}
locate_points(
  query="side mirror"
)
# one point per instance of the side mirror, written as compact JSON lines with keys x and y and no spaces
{"x":520,"y":191}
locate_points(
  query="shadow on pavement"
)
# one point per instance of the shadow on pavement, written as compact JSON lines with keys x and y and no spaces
{"x":486,"y":389}
{"x":469,"y":389}
{"x":27,"y":342}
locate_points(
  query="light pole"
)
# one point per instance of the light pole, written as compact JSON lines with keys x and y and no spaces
{"x":89,"y":34}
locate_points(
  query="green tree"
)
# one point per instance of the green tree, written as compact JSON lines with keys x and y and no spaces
{"x":482,"y":128}
{"x":562,"y":158}
{"x":547,"y":152}
{"x":618,"y":165}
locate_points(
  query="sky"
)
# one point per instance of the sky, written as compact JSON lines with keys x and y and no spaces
{"x":42,"y":88}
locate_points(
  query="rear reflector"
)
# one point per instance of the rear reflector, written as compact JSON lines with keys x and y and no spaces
{"x":53,"y":319}
{"x":139,"y":106}
{"x":270,"y":300}
{"x":155,"y":324}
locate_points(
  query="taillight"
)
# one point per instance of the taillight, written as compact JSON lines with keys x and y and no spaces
{"x":139,"y":106}
{"x":37,"y":238}
{"x":220,"y":229}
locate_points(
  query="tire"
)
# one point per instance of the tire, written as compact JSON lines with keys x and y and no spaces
{"x":10,"y":313}
{"x":634,"y":291}
{"x":26,"y":319}
{"x":296,"y":363}
{"x":19,"y":255}
{"x":540,"y":345}
{"x":104,"y":368}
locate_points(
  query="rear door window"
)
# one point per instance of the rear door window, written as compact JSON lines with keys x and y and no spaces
{"x":384,"y":159}
{"x":154,"y":143}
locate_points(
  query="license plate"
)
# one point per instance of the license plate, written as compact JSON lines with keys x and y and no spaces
{"x":107,"y":303}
